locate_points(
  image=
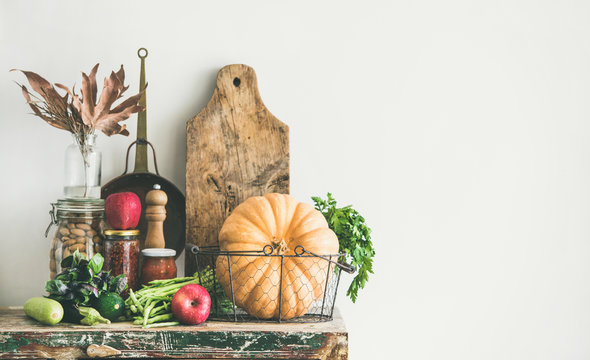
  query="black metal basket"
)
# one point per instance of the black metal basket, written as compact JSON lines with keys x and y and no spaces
{"x":300,"y":287}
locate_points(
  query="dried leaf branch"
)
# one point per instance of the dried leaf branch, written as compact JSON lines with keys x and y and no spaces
{"x":83,"y":114}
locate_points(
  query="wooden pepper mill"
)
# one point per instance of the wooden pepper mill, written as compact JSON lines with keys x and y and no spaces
{"x":155,"y":214}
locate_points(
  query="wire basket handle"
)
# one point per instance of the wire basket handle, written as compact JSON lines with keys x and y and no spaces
{"x":300,"y":250}
{"x":267,"y":251}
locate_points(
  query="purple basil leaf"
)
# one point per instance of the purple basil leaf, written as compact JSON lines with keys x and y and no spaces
{"x":56,"y":287}
{"x":118,"y":284}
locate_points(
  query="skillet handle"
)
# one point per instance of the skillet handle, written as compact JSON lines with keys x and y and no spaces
{"x":141,"y":142}
{"x":141,"y":151}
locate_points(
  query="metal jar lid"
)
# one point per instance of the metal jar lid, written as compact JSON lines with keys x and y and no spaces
{"x":78,"y":205}
{"x":157,"y":252}
{"x":112,"y":233}
{"x":64,"y":208}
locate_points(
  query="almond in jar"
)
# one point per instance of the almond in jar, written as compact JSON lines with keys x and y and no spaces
{"x":76,"y":225}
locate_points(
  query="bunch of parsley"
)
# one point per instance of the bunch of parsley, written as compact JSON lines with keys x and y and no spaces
{"x":354,"y":237}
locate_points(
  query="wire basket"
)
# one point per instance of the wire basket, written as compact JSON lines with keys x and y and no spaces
{"x":260,"y":286}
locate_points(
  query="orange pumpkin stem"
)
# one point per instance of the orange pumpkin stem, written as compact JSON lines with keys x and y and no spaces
{"x":279,"y":246}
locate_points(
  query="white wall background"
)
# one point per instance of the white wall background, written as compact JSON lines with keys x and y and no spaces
{"x":459,"y":128}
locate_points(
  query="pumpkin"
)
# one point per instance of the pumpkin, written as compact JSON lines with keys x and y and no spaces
{"x":284,"y":223}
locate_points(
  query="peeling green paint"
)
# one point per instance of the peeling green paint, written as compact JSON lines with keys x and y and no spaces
{"x":174,"y":343}
{"x":23,"y":338}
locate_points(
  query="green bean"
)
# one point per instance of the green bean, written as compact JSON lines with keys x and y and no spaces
{"x":134,"y":299}
{"x":167,"y":287}
{"x":146,"y":314}
{"x":160,"y":318}
{"x":150,"y":305}
{"x":152,"y":312}
{"x":160,"y":308}
{"x":155,"y":283}
{"x":172,"y":323}
{"x":170,"y":281}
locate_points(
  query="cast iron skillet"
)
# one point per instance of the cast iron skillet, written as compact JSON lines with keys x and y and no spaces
{"x":140,"y":181}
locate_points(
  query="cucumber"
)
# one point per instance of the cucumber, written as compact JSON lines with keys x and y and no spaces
{"x":46,"y":311}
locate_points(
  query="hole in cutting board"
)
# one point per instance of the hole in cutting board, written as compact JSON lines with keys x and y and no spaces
{"x":237,"y":82}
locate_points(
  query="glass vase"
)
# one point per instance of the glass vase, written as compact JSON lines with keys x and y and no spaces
{"x":83,"y":163}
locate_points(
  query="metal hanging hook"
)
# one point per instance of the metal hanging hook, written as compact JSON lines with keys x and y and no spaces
{"x":141,"y":51}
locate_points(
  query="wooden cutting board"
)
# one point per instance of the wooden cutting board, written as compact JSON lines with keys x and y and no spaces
{"x":235,"y":148}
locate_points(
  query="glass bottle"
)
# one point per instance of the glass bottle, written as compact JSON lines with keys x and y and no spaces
{"x":79,"y":226}
{"x":83,"y":163}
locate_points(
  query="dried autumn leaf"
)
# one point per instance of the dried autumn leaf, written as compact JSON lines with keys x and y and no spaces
{"x":99,"y":115}
{"x":66,"y":89}
{"x":93,"y":86}
{"x":43,"y":113}
{"x":44,"y":88}
{"x":84,"y":114}
{"x":54,"y":103}
{"x":39,"y":113}
{"x":121,"y":76}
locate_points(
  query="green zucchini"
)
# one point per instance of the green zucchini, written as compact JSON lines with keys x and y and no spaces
{"x":46,"y":311}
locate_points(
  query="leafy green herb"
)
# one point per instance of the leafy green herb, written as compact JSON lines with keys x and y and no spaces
{"x":95,"y":264}
{"x":354,"y":237}
{"x":81,"y":282}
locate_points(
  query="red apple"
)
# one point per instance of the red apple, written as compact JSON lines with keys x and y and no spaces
{"x":191,"y":304}
{"x":123,"y":210}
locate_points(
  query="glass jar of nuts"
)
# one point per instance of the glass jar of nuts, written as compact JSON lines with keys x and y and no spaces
{"x":79,"y":224}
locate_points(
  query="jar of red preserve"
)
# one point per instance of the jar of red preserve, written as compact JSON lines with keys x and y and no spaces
{"x":158,"y":264}
{"x":121,"y":255}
